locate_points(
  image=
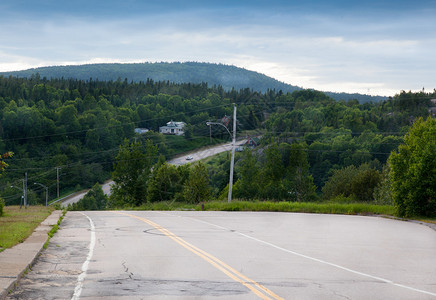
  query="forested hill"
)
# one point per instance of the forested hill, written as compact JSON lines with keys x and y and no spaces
{"x":189,"y":72}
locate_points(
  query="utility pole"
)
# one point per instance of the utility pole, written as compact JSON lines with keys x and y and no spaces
{"x":232,"y":163}
{"x":25,"y":189}
{"x":57,"y":169}
{"x":46,"y":192}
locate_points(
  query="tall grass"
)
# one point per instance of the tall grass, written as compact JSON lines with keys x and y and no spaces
{"x":303,"y":207}
{"x":17,"y":224}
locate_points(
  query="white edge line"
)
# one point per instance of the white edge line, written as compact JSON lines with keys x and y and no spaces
{"x":81,"y":277}
{"x":323,"y":261}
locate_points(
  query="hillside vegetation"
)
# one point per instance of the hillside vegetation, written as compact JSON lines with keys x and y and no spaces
{"x":228,"y":77}
{"x":313,"y":148}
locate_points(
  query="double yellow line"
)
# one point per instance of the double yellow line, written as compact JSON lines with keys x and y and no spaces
{"x":256,"y":288}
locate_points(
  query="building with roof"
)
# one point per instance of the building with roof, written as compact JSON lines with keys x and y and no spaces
{"x":174,"y":128}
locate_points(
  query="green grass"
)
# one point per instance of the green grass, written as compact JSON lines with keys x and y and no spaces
{"x":17,"y":224}
{"x":164,"y":205}
{"x":302,"y":207}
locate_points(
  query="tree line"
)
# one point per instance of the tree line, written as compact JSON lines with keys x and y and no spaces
{"x":309,"y":141}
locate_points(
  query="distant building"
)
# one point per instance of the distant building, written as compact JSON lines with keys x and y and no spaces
{"x":252,"y":142}
{"x":175,"y":128}
{"x":141,"y":130}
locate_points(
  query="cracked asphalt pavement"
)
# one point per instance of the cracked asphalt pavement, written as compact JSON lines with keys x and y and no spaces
{"x":233,"y":255}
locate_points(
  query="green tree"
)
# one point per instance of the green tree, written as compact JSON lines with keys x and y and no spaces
{"x":2,"y":204}
{"x":132,"y":171}
{"x":247,"y":186}
{"x":383,"y":193}
{"x":364,"y":184}
{"x":272,"y":173}
{"x":94,"y":199}
{"x":298,"y":181}
{"x":3,"y":165}
{"x":100,"y":197}
{"x":165,"y":183}
{"x":197,"y":187}
{"x":339,"y":183}
{"x":413,"y":171}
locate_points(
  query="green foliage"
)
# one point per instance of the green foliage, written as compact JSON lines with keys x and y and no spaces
{"x":197,"y":187}
{"x":413,"y":171}
{"x":214,"y":74}
{"x":133,"y":169}
{"x":298,"y":180}
{"x":364,"y":184}
{"x":94,"y":199}
{"x":383,"y":192}
{"x":167,"y":183}
{"x":247,"y":187}
{"x":2,"y":204}
{"x":79,"y":125}
{"x":303,"y":207}
{"x":359,"y":183}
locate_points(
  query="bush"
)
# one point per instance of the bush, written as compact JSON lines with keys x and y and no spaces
{"x":2,"y":204}
{"x":359,"y":183}
{"x":95,"y":199}
{"x":413,"y":176}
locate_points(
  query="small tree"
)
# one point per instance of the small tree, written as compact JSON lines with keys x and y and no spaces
{"x":413,"y":171}
{"x":197,"y":187}
{"x":364,"y":184}
{"x":299,"y":182}
{"x":94,"y":199}
{"x":165,"y":183}
{"x":132,"y":171}
{"x":3,"y":165}
{"x":247,"y":186}
{"x":383,"y":193}
{"x":2,"y":204}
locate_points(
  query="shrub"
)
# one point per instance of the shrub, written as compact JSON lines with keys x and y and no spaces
{"x":413,"y":176}
{"x":2,"y":204}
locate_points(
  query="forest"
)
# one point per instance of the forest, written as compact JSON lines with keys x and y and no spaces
{"x":312,"y":147}
{"x":222,"y":75}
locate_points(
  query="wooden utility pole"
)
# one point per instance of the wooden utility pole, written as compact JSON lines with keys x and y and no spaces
{"x":232,"y":163}
{"x":57,"y":171}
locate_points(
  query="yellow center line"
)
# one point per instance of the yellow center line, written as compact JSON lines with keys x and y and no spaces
{"x":256,"y":288}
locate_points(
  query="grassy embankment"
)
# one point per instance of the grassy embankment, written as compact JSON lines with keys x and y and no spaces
{"x":302,"y":207}
{"x":17,"y":224}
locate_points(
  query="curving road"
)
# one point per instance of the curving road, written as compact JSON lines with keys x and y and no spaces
{"x":203,"y":153}
{"x":233,"y":255}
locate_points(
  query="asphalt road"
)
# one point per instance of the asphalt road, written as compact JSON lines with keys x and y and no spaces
{"x":233,"y":255}
{"x":203,"y":153}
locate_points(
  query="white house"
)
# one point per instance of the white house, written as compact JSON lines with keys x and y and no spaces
{"x":175,"y":128}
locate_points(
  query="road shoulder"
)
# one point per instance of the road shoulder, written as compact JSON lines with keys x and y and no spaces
{"x":15,"y":261}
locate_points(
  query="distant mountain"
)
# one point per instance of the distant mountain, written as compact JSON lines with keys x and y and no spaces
{"x":214,"y":74}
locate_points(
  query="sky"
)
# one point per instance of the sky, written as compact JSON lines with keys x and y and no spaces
{"x":369,"y":47}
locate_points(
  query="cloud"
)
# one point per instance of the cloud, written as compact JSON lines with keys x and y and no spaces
{"x":350,"y":52}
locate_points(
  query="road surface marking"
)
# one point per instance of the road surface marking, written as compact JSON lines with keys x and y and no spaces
{"x":256,"y":288}
{"x":319,"y":260}
{"x":81,"y":278}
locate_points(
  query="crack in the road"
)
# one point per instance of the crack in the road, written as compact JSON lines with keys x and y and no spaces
{"x":126,"y":270}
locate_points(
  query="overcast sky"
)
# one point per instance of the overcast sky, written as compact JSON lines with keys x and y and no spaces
{"x":373,"y":47}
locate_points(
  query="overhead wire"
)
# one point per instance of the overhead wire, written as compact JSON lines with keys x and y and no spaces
{"x":265,"y":103}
